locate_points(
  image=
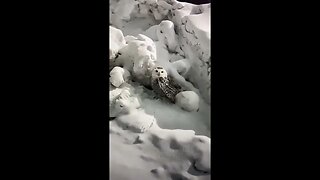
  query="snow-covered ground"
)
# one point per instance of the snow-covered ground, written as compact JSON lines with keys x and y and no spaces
{"x":150,"y":137}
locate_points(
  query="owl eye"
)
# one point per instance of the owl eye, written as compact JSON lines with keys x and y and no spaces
{"x":161,"y":71}
{"x":156,"y":70}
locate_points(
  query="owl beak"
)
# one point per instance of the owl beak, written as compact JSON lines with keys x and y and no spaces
{"x":158,"y":74}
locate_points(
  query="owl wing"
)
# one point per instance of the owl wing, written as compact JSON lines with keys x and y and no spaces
{"x":157,"y":86}
{"x":168,"y":89}
{"x":173,"y":83}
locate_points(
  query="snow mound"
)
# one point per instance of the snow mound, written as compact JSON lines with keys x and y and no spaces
{"x":118,"y":76}
{"x":138,"y":56}
{"x":159,"y":154}
{"x":136,"y":121}
{"x":123,"y":100}
{"x":143,"y":147}
{"x":116,"y":41}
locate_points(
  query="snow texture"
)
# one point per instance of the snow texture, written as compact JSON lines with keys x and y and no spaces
{"x":118,"y":76}
{"x":116,"y":41}
{"x":191,"y":28}
{"x":151,"y":138}
{"x":188,"y":100}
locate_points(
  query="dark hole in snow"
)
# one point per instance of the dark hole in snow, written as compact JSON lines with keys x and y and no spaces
{"x":161,"y":31}
{"x":196,"y":172}
{"x":137,"y":141}
{"x":176,"y":176}
{"x":155,"y":172}
{"x":148,"y":87}
{"x":174,"y":144}
{"x":112,"y":118}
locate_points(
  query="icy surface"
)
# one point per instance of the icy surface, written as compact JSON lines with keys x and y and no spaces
{"x":151,"y":138}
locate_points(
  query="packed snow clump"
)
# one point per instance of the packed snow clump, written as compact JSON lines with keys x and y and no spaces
{"x":188,"y":100}
{"x":138,"y":57}
{"x":118,"y":76}
{"x":116,"y":41}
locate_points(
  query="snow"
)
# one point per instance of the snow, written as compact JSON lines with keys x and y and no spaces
{"x":158,"y":154}
{"x":116,"y":41}
{"x":188,"y":100}
{"x":118,"y":76}
{"x":151,"y":138}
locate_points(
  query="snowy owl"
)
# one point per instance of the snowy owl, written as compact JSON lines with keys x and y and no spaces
{"x":163,"y":85}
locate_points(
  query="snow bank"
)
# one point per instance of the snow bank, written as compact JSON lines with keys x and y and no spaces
{"x":158,"y":154}
{"x":193,"y":26}
{"x":150,"y":138}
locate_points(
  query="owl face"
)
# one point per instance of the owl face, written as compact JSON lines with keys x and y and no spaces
{"x":159,"y":72}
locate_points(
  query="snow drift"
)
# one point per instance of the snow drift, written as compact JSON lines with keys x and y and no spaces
{"x":151,"y":138}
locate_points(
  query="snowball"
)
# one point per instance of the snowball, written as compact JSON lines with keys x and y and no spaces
{"x":188,"y":100}
{"x":118,"y":76}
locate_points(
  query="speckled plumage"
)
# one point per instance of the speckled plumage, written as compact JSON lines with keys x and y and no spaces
{"x":163,"y":85}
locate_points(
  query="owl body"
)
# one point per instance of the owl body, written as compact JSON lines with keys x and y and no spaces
{"x":163,"y":85}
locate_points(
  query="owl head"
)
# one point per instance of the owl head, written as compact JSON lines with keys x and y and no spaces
{"x":159,"y":72}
